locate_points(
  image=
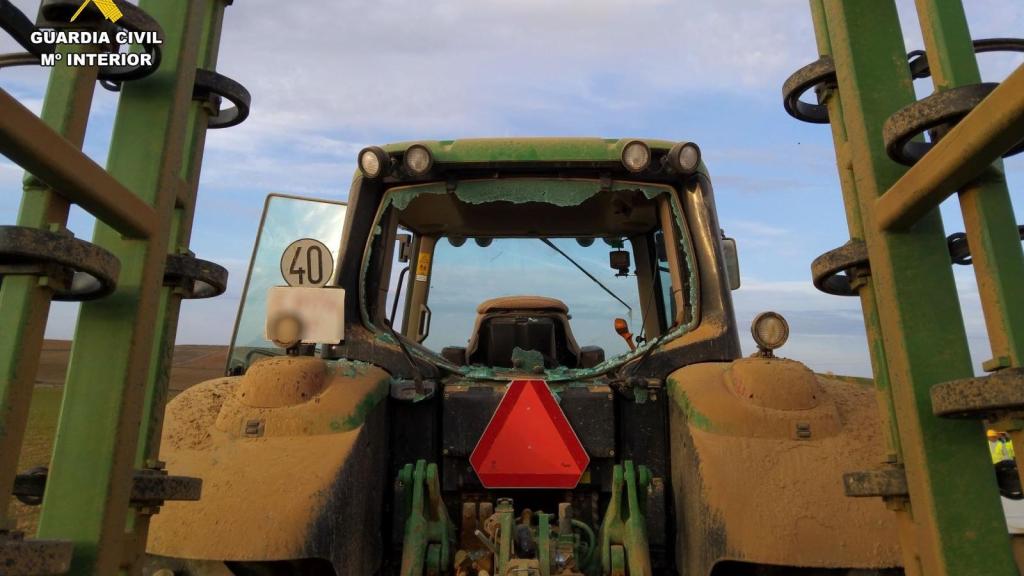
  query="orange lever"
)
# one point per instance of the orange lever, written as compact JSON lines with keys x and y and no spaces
{"x":622,"y":329}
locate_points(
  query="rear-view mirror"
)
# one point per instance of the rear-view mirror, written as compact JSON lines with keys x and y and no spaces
{"x":732,"y":262}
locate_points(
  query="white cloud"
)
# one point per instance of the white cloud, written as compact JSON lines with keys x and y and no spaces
{"x":462,"y":65}
{"x":328,"y":76}
{"x":758,"y":230}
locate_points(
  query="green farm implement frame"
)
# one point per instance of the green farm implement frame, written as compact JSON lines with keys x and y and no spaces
{"x":938,"y":479}
{"x":104,"y":480}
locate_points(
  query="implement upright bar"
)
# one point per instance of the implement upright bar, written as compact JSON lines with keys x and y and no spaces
{"x":169,"y":305}
{"x":958,"y":525}
{"x":865,"y":285}
{"x":985,"y":203}
{"x":87,"y":493}
{"x":24,"y":300}
{"x":989,"y":220}
{"x":854,"y":221}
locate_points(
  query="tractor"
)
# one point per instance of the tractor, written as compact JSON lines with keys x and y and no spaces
{"x":516,"y":356}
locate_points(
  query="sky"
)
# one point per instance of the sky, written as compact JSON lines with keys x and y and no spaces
{"x":331,"y":76}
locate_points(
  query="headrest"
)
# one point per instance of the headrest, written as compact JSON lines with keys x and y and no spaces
{"x":522,"y":303}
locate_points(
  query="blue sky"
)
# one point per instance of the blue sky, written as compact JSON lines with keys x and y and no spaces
{"x":329,"y":77}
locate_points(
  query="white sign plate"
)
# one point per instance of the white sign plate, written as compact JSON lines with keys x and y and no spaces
{"x":307,"y":262}
{"x":320,"y":312}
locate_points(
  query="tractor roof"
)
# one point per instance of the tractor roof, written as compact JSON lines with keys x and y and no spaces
{"x":527,"y":150}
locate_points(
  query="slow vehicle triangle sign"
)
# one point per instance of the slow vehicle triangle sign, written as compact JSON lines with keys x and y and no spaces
{"x":529,"y":443}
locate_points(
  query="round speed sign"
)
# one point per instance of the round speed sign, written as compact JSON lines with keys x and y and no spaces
{"x":307,"y":263}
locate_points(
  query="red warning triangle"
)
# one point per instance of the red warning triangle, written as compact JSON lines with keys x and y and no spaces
{"x":529,"y":442}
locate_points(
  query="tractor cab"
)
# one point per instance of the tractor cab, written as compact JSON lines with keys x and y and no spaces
{"x":532,"y":275}
{"x":512,"y":356}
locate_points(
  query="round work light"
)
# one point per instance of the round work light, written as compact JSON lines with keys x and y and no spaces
{"x":770,"y":331}
{"x":374,"y":162}
{"x":684,"y":157}
{"x":636,"y":156}
{"x":418,"y":160}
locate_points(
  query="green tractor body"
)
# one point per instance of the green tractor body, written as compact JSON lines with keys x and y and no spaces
{"x":522,"y":358}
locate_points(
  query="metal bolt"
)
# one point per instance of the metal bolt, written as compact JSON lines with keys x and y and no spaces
{"x":611,"y":396}
{"x":995,"y":364}
{"x":444,"y":451}
{"x":611,"y":452}
{"x":254,"y":428}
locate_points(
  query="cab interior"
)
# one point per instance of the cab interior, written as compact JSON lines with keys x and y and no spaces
{"x":530,"y":331}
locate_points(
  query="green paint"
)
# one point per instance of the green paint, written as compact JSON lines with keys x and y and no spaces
{"x":96,"y":445}
{"x":498,"y":150}
{"x":625,"y":522}
{"x":401,"y":197}
{"x":858,"y":380}
{"x":693,"y":416}
{"x":855,"y":225}
{"x":366,"y":405}
{"x":559,"y":373}
{"x":348,"y":368}
{"x":24,"y":302}
{"x":563,"y":193}
{"x":515,"y":191}
{"x":527,"y":360}
{"x":998,"y":260}
{"x":170,"y":301}
{"x":479,"y":372}
{"x":958,"y":520}
{"x":429,"y":533}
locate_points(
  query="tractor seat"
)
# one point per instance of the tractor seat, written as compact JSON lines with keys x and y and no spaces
{"x":529,"y":323}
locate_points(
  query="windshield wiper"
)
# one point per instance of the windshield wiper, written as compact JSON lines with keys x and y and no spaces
{"x":582,"y":269}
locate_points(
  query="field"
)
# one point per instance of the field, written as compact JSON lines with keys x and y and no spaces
{"x":192,"y":364}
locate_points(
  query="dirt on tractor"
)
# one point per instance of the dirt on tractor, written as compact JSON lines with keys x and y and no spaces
{"x":192,"y":364}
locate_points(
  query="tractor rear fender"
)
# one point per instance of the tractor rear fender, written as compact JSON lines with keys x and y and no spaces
{"x":759,"y":449}
{"x":293,"y":461}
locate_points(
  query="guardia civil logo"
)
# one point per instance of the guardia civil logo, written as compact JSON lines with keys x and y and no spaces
{"x":51,"y":40}
{"x":107,"y":7}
